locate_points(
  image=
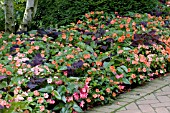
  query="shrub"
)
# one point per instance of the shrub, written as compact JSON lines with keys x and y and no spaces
{"x":64,"y":12}
{"x":2,"y":20}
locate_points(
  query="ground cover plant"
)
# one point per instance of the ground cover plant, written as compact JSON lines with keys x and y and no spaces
{"x":81,"y":65}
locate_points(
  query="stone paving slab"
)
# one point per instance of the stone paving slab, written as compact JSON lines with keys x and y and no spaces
{"x":154,"y":97}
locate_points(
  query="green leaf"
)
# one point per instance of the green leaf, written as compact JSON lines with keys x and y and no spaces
{"x":3,"y":84}
{"x":62,"y":89}
{"x":9,"y":68}
{"x":63,"y":68}
{"x":106,"y":64}
{"x":124,"y":68}
{"x":126,"y":81}
{"x":89,"y":48}
{"x":63,"y":98}
{"x":120,"y":70}
{"x":57,"y":95}
{"x":47,"y":89}
{"x":59,"y":106}
{"x":126,"y":48}
{"x":77,"y":108}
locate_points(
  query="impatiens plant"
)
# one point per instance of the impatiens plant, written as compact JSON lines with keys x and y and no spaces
{"x":82,"y":65}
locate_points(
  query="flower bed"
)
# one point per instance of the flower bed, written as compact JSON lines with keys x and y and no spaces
{"x":81,"y":65}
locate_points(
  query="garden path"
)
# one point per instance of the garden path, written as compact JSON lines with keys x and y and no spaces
{"x":154,"y":97}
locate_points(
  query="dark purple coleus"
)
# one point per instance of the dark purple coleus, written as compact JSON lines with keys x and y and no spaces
{"x":13,"y":48}
{"x":78,"y":64}
{"x":149,"y":38}
{"x":34,"y":82}
{"x":37,"y":60}
{"x":3,"y":77}
{"x":1,"y":107}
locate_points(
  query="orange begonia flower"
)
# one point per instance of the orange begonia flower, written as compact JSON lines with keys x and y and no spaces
{"x":121,"y":26}
{"x":121,"y":39}
{"x":112,"y":68}
{"x":114,"y":94}
{"x":8,"y":72}
{"x":86,"y":56}
{"x":99,"y":63}
{"x":63,"y":36}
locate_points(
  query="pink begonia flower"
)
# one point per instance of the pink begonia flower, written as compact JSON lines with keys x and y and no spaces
{"x":36,"y":93}
{"x":86,"y":85}
{"x":144,"y":69}
{"x":10,"y":57}
{"x":119,"y":76}
{"x":24,"y":59}
{"x":83,"y":95}
{"x":128,"y":59}
{"x":83,"y":90}
{"x":3,"y":103}
{"x":37,"y":47}
{"x":24,"y":94}
{"x":121,"y":87}
{"x":16,"y":91}
{"x":49,"y":80}
{"x":51,"y":101}
{"x":46,"y":67}
{"x":65,"y":73}
{"x":69,"y":99}
{"x":16,"y":58}
{"x":76,"y":96}
{"x":36,"y":72}
{"x":46,"y":95}
{"x":19,"y":98}
{"x":59,"y":82}
{"x":8,"y":105}
{"x":20,"y":71}
{"x":120,"y":51}
{"x":75,"y":112}
{"x":82,"y":104}
{"x":42,"y":108}
{"x":29,"y":99}
{"x":151,"y":79}
{"x":40,"y":100}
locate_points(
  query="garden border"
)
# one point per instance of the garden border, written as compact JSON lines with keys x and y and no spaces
{"x":132,"y":96}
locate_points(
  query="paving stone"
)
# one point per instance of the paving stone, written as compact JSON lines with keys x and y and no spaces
{"x":121,"y":103}
{"x":126,"y":99}
{"x":141,"y":99}
{"x":132,"y":106}
{"x":137,"y":93}
{"x":161,"y":110}
{"x":163,"y":98}
{"x":165,"y":104}
{"x":113,"y":106}
{"x":166,"y":88}
{"x":162,"y":93}
{"x":104,"y":110}
{"x":146,"y":108}
{"x":150,"y":97}
{"x":168,"y":108}
{"x":129,"y":96}
{"x":122,"y":109}
{"x":145,"y":90}
{"x":147,"y":102}
{"x":129,"y":111}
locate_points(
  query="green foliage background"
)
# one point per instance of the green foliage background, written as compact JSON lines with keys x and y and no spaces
{"x":62,"y":12}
